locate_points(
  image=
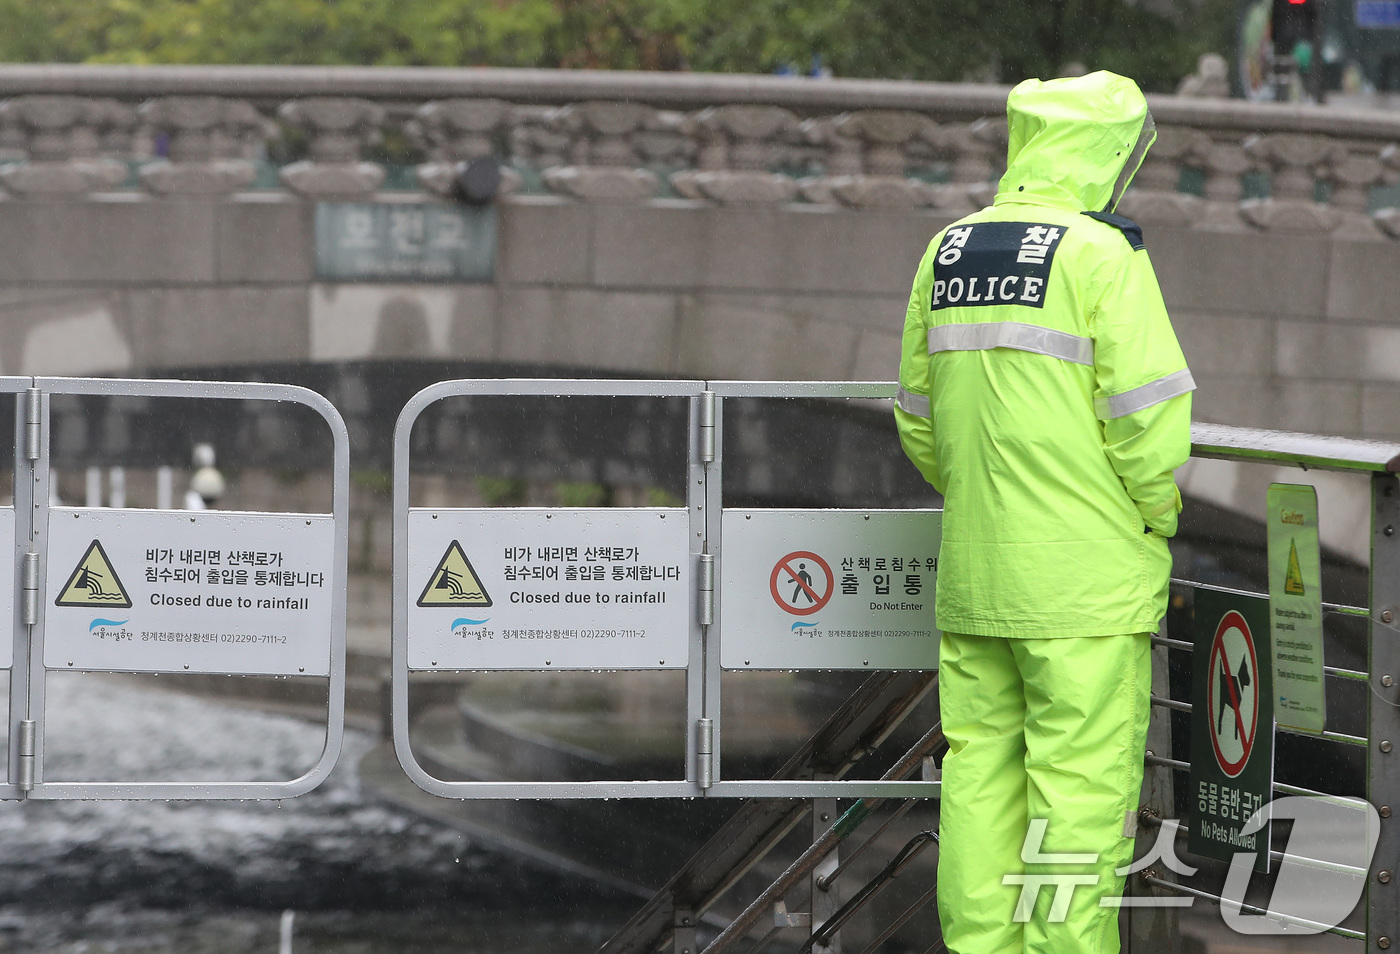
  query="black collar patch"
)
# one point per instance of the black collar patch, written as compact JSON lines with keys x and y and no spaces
{"x":1130,"y":229}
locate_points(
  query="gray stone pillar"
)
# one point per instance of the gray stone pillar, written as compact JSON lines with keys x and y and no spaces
{"x":337,"y":127}
{"x":62,"y":137}
{"x":202,"y":136}
{"x":1295,"y":161}
{"x":459,"y":130}
{"x":739,"y":146}
{"x":605,"y":162}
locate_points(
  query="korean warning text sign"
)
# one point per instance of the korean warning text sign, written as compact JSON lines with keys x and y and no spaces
{"x":829,"y":589}
{"x":212,"y":592}
{"x":527,"y":588}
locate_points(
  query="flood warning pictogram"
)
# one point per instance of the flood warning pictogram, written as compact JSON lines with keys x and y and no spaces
{"x":454,"y":582}
{"x":94,"y":582}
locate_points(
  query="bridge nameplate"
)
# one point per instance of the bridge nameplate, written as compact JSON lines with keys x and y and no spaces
{"x":174,"y":591}
{"x":829,"y":589}
{"x":405,"y":242}
{"x":535,"y":589}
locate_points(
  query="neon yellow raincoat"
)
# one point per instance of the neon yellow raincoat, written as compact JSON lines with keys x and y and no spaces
{"x":1043,"y":392}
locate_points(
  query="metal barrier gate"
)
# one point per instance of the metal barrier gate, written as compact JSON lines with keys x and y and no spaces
{"x":448,"y":565}
{"x":802,"y":901}
{"x":275,"y":608}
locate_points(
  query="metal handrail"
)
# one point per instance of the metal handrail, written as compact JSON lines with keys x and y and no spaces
{"x":827,"y":880}
{"x":1180,"y":766}
{"x":823,"y":845}
{"x":1162,"y":883}
{"x":903,"y":858}
{"x":1357,"y":740}
{"x":1310,"y":451}
{"x":901,"y":919}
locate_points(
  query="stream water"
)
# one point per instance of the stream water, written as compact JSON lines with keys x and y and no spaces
{"x":214,"y":877}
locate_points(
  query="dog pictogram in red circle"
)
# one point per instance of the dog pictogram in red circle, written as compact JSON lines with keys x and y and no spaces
{"x":1232,"y":691}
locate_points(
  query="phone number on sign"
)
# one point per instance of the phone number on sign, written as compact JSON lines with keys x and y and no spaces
{"x":573,"y":634}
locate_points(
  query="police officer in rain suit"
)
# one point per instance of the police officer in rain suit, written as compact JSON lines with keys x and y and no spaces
{"x":1043,"y":393}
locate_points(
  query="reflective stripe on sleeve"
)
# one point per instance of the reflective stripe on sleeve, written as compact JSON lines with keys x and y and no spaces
{"x":985,"y":336}
{"x":1153,"y":392}
{"x":911,"y":403}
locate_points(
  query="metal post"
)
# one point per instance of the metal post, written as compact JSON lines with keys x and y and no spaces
{"x":39,"y":429}
{"x":116,"y":487}
{"x":18,"y":675}
{"x":92,"y":487}
{"x":1154,"y":930}
{"x":165,"y":488}
{"x":710,"y":674}
{"x":825,"y":902}
{"x":1383,"y":761}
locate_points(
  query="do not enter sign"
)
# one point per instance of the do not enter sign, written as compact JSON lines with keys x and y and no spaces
{"x":802,"y":583}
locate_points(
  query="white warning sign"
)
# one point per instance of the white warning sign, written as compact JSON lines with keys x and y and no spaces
{"x":528,"y":588}
{"x":173,"y":591}
{"x":829,"y":589}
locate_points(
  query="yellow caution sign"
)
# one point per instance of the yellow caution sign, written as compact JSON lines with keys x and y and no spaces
{"x":454,"y":582}
{"x":94,"y":582}
{"x":1293,"y":578}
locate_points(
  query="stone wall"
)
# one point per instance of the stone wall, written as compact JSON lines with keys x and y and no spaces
{"x":1298,"y":331}
{"x":659,"y":225}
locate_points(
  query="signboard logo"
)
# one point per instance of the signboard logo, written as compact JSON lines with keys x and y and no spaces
{"x":454,"y":582}
{"x":94,"y":582}
{"x":802,"y":583}
{"x":1233,"y":693}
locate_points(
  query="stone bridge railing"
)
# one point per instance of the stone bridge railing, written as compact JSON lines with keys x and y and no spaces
{"x":188,"y":132}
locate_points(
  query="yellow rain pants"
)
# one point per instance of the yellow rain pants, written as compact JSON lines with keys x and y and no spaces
{"x":1048,"y":729}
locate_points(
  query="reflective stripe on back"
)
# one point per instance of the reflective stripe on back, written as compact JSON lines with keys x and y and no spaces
{"x":911,"y":403}
{"x":1140,"y":398}
{"x":985,"y":336}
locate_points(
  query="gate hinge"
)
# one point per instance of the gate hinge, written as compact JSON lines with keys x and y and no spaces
{"x":707,"y":427}
{"x":30,"y":589}
{"x":705,"y":752}
{"x":26,"y":755}
{"x":33,"y":415}
{"x":706,"y":595}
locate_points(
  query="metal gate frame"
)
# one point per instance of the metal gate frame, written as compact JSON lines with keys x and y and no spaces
{"x":703,"y":672}
{"x":695,"y":501}
{"x":716,"y":392}
{"x":33,"y":475}
{"x":19,"y":672}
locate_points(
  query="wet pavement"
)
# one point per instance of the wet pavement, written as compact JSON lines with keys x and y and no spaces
{"x":214,"y":877}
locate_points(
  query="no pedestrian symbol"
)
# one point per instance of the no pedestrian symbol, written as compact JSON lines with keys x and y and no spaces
{"x":1233,"y":693}
{"x":802,"y":583}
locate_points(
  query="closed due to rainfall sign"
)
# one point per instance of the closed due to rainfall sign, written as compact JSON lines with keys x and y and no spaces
{"x":586,"y":588}
{"x":154,"y":591}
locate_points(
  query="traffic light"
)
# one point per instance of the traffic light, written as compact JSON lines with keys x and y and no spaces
{"x":1294,"y":24}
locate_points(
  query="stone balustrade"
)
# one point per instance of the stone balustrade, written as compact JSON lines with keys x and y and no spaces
{"x":201,"y":132}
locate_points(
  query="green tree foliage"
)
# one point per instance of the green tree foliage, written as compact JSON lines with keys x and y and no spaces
{"x":952,"y":40}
